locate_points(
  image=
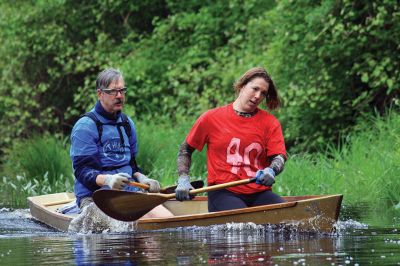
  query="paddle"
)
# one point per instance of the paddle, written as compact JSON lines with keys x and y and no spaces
{"x":130,"y":206}
{"x":169,"y":189}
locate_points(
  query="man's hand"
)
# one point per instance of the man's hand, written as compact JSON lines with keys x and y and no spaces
{"x":183,"y":188}
{"x":265,"y":177}
{"x":154,"y":185}
{"x":117,"y":181}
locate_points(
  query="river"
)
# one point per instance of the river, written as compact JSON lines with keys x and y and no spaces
{"x":24,"y":241}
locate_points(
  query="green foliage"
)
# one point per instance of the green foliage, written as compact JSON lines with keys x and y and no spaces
{"x":199,"y":54}
{"x":53,"y":52}
{"x":158,"y":150}
{"x":43,"y":158}
{"x":333,"y":60}
{"x":14,"y":191}
{"x":365,"y":168}
{"x":37,"y":166}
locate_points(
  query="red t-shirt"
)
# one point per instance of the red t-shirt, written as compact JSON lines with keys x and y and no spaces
{"x":236,"y":146}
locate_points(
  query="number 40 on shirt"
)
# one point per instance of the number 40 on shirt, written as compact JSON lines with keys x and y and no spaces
{"x":237,"y":160}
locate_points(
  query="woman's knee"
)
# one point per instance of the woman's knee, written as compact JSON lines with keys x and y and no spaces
{"x":223,"y":200}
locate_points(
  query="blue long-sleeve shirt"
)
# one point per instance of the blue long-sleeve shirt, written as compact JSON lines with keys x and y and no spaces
{"x":91,"y":157}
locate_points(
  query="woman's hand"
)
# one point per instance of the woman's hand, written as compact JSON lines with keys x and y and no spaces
{"x":265,"y":177}
{"x":183,"y":188}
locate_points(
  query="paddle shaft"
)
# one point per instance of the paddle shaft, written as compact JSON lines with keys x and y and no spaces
{"x":214,"y":187}
{"x":166,"y":190}
{"x":136,"y":184}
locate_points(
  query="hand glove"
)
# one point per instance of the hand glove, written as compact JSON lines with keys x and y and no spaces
{"x":117,"y":181}
{"x":265,"y":177}
{"x":154,"y":185}
{"x":182,"y":189}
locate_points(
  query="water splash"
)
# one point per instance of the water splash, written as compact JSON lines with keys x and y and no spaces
{"x":20,"y":223}
{"x":349,"y":224}
{"x":252,"y":228}
{"x":232,"y":227}
{"x":93,"y":220}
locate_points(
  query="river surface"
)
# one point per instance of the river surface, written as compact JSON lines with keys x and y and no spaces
{"x":24,"y":241}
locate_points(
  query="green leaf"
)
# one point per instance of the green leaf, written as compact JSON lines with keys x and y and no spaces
{"x":364,"y":77}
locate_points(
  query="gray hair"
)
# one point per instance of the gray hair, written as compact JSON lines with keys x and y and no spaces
{"x":107,"y":76}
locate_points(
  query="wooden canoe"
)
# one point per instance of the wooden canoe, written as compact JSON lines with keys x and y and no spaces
{"x":306,"y":213}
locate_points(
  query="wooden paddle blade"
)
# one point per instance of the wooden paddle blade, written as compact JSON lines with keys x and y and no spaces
{"x":126,"y":205}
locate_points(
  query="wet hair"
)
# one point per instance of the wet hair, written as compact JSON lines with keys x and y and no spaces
{"x":272,"y":100}
{"x":107,"y":76}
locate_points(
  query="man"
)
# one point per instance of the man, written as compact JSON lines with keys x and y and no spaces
{"x":104,"y":144}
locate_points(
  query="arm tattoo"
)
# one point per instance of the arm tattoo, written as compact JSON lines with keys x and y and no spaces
{"x":277,"y":163}
{"x":184,"y":158}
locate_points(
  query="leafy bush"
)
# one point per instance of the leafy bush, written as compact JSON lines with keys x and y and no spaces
{"x":199,"y":55}
{"x":53,"y":52}
{"x":332,"y":60}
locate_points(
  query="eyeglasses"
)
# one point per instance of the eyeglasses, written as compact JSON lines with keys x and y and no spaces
{"x":114,"y":92}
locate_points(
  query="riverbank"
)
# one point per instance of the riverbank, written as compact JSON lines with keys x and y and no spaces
{"x":364,"y":168}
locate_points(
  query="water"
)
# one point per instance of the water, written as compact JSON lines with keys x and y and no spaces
{"x":24,"y":241}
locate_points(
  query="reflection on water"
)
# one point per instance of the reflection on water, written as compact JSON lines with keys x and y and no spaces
{"x":26,"y":242}
{"x":378,"y":215}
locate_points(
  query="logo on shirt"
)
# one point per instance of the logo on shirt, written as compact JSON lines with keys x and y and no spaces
{"x":237,"y":160}
{"x":113,"y":149}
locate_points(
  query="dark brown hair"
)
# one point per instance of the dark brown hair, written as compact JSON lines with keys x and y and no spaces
{"x":272,"y":100}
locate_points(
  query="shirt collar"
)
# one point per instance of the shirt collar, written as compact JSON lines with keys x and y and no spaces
{"x":100,"y":110}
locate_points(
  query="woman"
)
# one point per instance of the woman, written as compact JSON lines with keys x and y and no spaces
{"x":243,"y":141}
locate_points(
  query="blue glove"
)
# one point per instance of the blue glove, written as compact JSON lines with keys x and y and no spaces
{"x":265,"y":177}
{"x":182,"y":189}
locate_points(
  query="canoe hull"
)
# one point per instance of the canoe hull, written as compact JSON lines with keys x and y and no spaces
{"x":308,"y":213}
{"x":43,"y":208}
{"x":312,"y":213}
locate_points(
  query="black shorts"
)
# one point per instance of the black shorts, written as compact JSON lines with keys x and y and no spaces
{"x":222,"y":200}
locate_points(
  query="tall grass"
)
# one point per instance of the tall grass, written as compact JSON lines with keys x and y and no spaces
{"x":158,"y":150}
{"x":39,"y":165}
{"x":365,"y":168}
{"x":37,"y":156}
